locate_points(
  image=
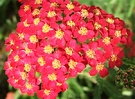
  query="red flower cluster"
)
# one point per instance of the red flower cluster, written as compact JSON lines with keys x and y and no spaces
{"x":54,"y":41}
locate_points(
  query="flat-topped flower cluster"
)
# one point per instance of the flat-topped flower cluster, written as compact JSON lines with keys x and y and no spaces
{"x":56,"y":39}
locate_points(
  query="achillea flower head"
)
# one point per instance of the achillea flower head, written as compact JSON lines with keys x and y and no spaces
{"x":56,"y":39}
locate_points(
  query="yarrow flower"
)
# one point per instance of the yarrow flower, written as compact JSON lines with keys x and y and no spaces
{"x":56,"y":39}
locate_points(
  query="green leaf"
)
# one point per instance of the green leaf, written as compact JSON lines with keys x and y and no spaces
{"x":69,"y":94}
{"x":17,"y":94}
{"x":98,"y":89}
{"x":119,"y":7}
{"x":131,"y":7}
{"x":2,"y":2}
{"x":74,"y":85}
{"x":128,"y":61}
{"x":111,"y":90}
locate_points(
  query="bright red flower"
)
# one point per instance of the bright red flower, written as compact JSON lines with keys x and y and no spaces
{"x":45,"y":93}
{"x":99,"y":68}
{"x":12,"y":42}
{"x":45,"y":30}
{"x":83,"y":32}
{"x":29,"y":88}
{"x":60,"y":37}
{"x":55,"y":39}
{"x":24,"y":10}
{"x":72,"y":49}
{"x":75,"y":67}
{"x":115,"y":55}
{"x":93,"y":53}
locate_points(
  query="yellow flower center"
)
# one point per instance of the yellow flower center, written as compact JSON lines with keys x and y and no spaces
{"x":16,"y":80}
{"x":52,"y":76}
{"x":46,"y":28}
{"x":27,"y":67}
{"x":97,"y":12}
{"x":36,"y":21}
{"x":12,"y":42}
{"x":69,"y":50}
{"x":9,"y":66}
{"x":106,"y":40}
{"x":106,"y":28}
{"x":83,"y":31}
{"x":41,"y":61}
{"x":28,"y":86}
{"x":27,"y":50}
{"x":110,"y":20}
{"x":97,"y":25}
{"x":23,"y":75}
{"x":84,"y":13}
{"x":72,"y":64}
{"x":118,"y":33}
{"x":54,"y":4}
{"x":26,"y":24}
{"x":59,"y":84}
{"x":99,"y":66}
{"x":56,"y":64}
{"x":48,"y":49}
{"x":16,"y":58}
{"x":33,"y":39}
{"x":47,"y":92}
{"x":21,"y":36}
{"x":90,"y":53}
{"x":26,"y":8}
{"x":70,"y":6}
{"x":38,"y":1}
{"x":59,"y":34}
{"x":113,"y":57}
{"x":51,"y":14}
{"x":35,"y":12}
{"x":70,"y":23}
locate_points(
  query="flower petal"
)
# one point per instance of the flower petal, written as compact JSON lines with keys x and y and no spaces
{"x":104,"y":72}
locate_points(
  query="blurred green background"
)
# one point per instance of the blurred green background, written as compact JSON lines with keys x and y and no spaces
{"x":84,"y":86}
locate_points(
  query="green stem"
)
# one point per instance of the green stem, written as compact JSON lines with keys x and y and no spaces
{"x":116,"y":68}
